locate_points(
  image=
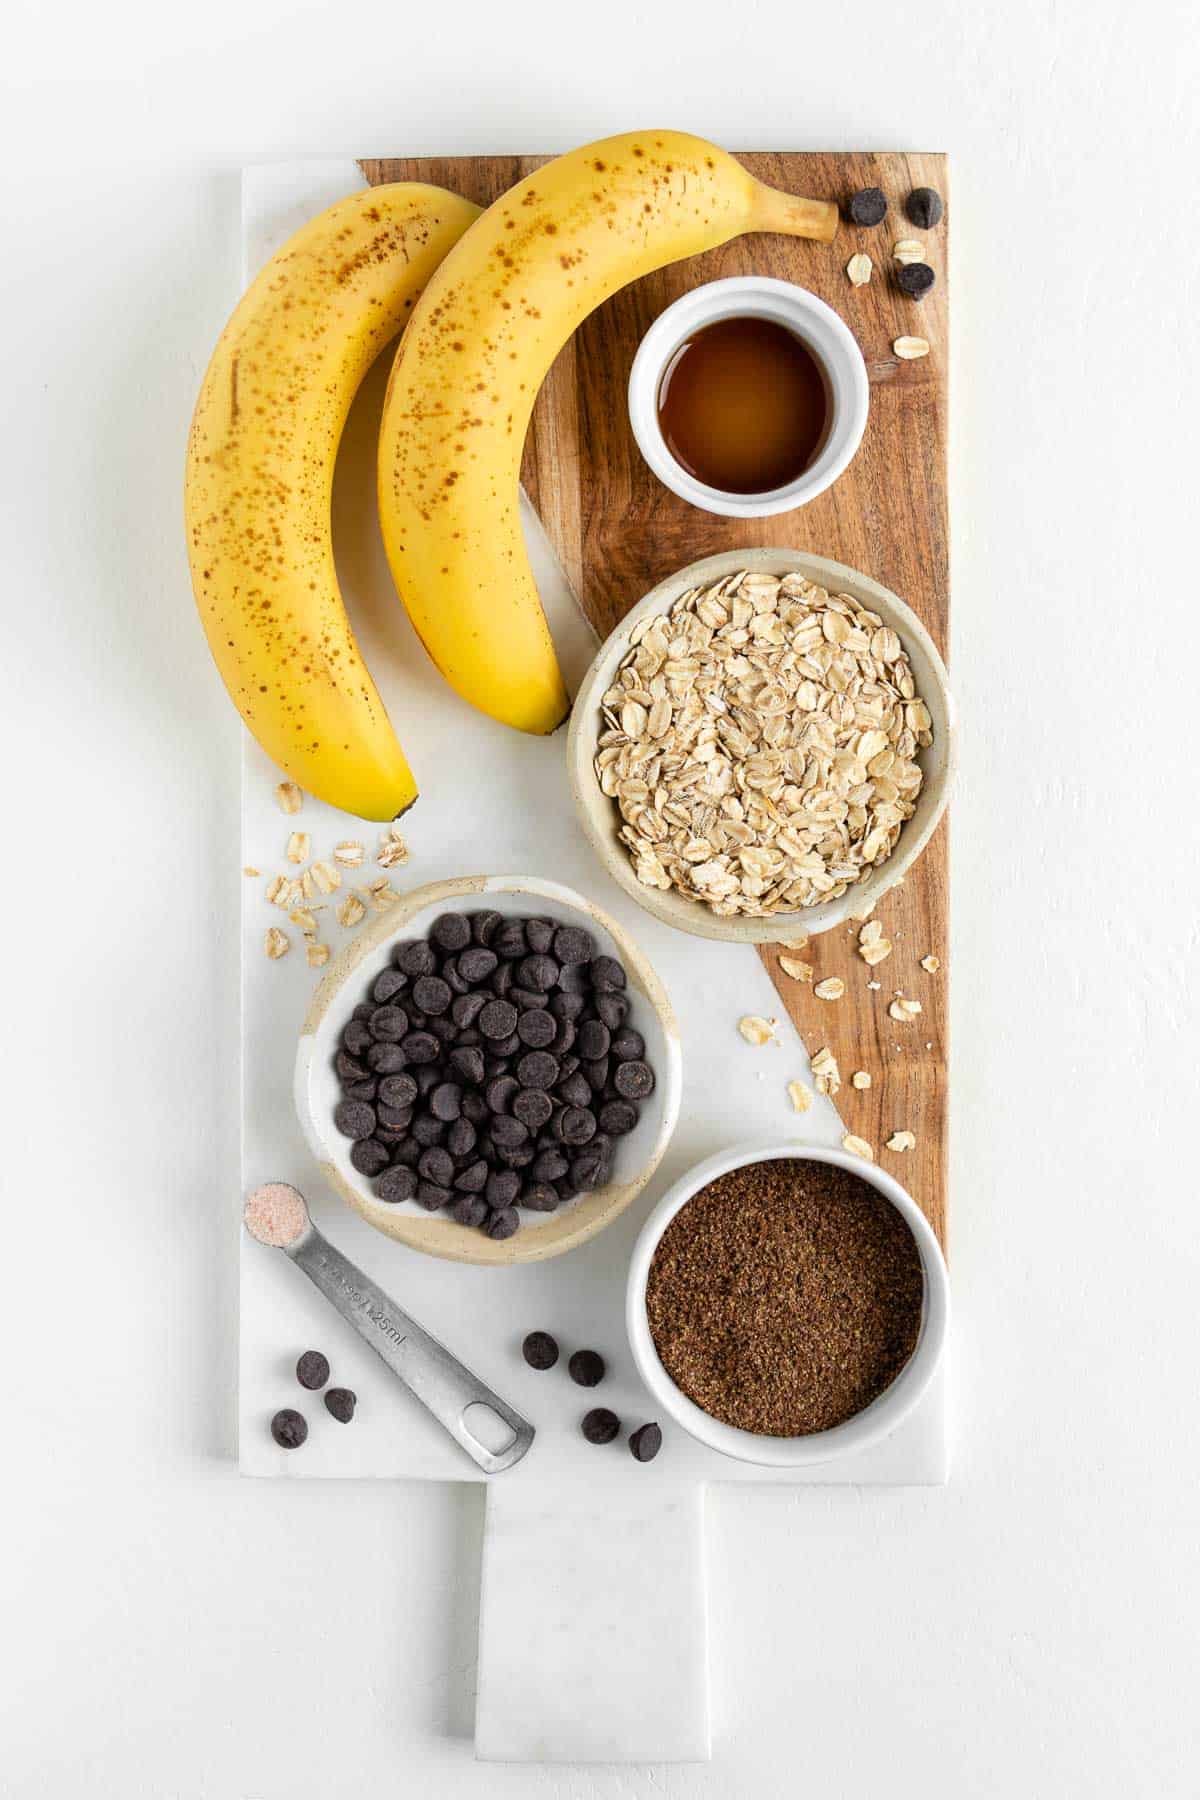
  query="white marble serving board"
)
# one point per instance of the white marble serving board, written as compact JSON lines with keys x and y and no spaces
{"x":491,"y":800}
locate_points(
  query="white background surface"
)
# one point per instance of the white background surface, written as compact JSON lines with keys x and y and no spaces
{"x":1030,"y":1629}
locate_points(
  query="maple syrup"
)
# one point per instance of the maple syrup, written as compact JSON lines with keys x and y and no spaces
{"x":743,"y":405}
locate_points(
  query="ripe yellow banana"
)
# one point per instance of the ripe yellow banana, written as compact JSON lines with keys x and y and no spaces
{"x":260,"y":463}
{"x":470,"y":364}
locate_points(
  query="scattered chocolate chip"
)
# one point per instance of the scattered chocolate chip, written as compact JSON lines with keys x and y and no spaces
{"x":354,"y":1118}
{"x":400,"y":1183}
{"x":600,"y":1426}
{"x":923,"y":208}
{"x":915,"y":280}
{"x":289,"y":1428}
{"x":645,"y":1443}
{"x":540,"y":1350}
{"x":586,"y":1367}
{"x":341,"y":1402}
{"x":312,"y":1370}
{"x":452,"y":931}
{"x":867,"y":207}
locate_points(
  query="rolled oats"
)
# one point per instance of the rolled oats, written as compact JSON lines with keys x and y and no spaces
{"x":858,"y":1147}
{"x":756,"y":1030}
{"x":352,"y":911}
{"x":276,"y":943}
{"x":860,"y":1079}
{"x":795,"y":969}
{"x":350,"y":853}
{"x":298,"y":847}
{"x":800,"y":1096}
{"x":904,"y":1011}
{"x":326,"y":877}
{"x":901,"y":1140}
{"x":289,"y":796}
{"x":318,"y":955}
{"x":832,"y":988}
{"x":910,"y":348}
{"x":825,"y":1072}
{"x":931,"y":964}
{"x":858,"y":269}
{"x":759,"y":742}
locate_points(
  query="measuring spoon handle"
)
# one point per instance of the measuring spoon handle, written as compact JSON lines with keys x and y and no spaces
{"x":440,"y":1382}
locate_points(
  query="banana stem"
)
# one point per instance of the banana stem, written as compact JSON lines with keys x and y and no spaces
{"x":773,"y":210}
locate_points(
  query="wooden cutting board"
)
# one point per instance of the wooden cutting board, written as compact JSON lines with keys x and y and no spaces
{"x":618,"y":531}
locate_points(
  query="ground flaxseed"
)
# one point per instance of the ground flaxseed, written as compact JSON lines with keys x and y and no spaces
{"x":785,"y":1297}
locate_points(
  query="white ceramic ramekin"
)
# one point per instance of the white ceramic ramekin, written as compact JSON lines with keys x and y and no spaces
{"x":875,"y":1421}
{"x":820,"y":328}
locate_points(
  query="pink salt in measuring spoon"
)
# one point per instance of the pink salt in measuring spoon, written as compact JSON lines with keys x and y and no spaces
{"x":486,"y":1427}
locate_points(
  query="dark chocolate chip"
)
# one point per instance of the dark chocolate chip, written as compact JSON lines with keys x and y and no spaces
{"x":466,"y":1008}
{"x":369,"y":1156}
{"x":361,"y":1090}
{"x":477,"y":963}
{"x":502,"y":1188}
{"x":607,"y":974}
{"x":437,"y":1164}
{"x":484,"y":926}
{"x":467,"y":1061}
{"x":505,"y":1046}
{"x":415,"y":959}
{"x":427,"y":1130}
{"x":388,"y":985}
{"x":507,"y":1133}
{"x":618,"y":1117}
{"x":408,"y":1154}
{"x":427,"y":1078}
{"x":502,"y":980}
{"x":289,"y":1429}
{"x":577,"y":1126}
{"x":398,"y":1184}
{"x":596,"y":1073}
{"x":586,"y":1367}
{"x":452,"y":931}
{"x":600,"y":1426}
{"x":539,"y":934}
{"x":533,"y":1107}
{"x":420,"y":1047}
{"x":389,"y":1023}
{"x":628,"y":1045}
{"x":432,"y":994}
{"x":509,"y":940}
{"x":498,"y":1019}
{"x":537,"y":1028}
{"x":500,"y":1093}
{"x":634,"y":1080}
{"x":575,"y":1089}
{"x":526,"y":998}
{"x":473,"y":1179}
{"x":503,"y":1224}
{"x":395,"y":1118}
{"x":354,"y":1118}
{"x":573,"y":945}
{"x":348,"y":1067}
{"x":915,"y":280}
{"x":612,"y":1009}
{"x":341,"y":1402}
{"x":867,"y":207}
{"x":356,"y":1039}
{"x":460,"y":1139}
{"x":518,"y":1158}
{"x":550,"y":1165}
{"x":445,"y":1102}
{"x":537,"y":1069}
{"x":312,"y":1370}
{"x":588,"y":1167}
{"x":593,"y":1039}
{"x":385,"y":1059}
{"x":475,"y":1107}
{"x":397,"y":1090}
{"x":469,"y":1209}
{"x":431,"y":1195}
{"x":645,"y":1443}
{"x":538,"y":973}
{"x":567,"y":1006}
{"x":539,"y":1196}
{"x":923,"y":208}
{"x":363,"y":1010}
{"x":574,"y":979}
{"x":453,"y":976}
{"x":540,"y":1350}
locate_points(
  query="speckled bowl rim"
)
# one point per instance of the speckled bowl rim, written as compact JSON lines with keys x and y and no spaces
{"x":585,"y":1217}
{"x":886,"y":1412}
{"x":597,"y":814}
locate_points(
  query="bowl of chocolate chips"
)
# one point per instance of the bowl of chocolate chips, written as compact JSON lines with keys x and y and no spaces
{"x":491,"y":1071}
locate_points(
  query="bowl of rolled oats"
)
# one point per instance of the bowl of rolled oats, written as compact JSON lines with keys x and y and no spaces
{"x":763,"y":746}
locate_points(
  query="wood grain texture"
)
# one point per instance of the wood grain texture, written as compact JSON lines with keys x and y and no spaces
{"x":618,"y":531}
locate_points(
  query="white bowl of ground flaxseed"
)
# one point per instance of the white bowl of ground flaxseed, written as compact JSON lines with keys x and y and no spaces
{"x":761,"y":1323}
{"x":711,"y":858}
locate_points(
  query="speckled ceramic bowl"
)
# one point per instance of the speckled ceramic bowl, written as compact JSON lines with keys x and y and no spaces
{"x":601,"y":821}
{"x":317,"y":1089}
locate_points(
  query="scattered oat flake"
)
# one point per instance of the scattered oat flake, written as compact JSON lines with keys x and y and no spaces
{"x":832,"y":988}
{"x":858,"y":269}
{"x":289,"y":796}
{"x":755,"y":1029}
{"x":901,"y":1140}
{"x":858,"y":1147}
{"x":318,"y":955}
{"x":392,"y":850}
{"x":826,"y":1072}
{"x":326,"y":877}
{"x":349,"y":853}
{"x":863,"y":913}
{"x":275,"y":943}
{"x":352,"y":910}
{"x":800,"y":1096}
{"x":275,"y":888}
{"x":908,"y":250}
{"x":249,"y":870}
{"x":861,"y":1078}
{"x":904,"y":1011}
{"x":909,"y":349}
{"x":797,"y":970}
{"x":876,"y":952}
{"x":931,"y":964}
{"x":298,"y":847}
{"x":794,"y":944}
{"x":305,"y":919}
{"x":308,"y":886}
{"x":381,"y":894}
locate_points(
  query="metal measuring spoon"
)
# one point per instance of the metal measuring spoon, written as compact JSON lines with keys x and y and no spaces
{"x":490,"y":1432}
